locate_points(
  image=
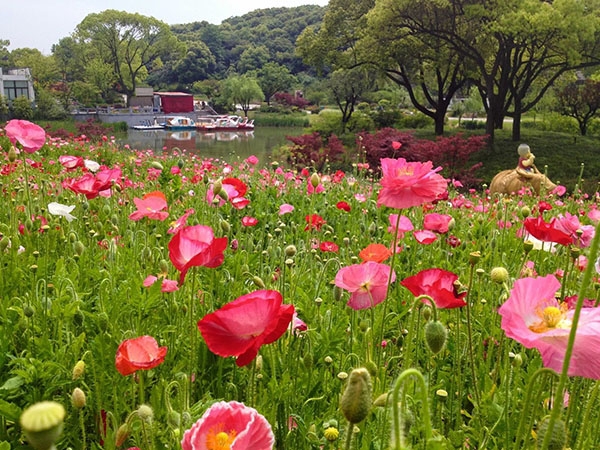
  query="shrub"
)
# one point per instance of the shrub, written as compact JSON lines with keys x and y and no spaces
{"x":309,"y":150}
{"x":21,"y":108}
{"x":380,"y":145}
{"x":287,"y":99}
{"x":415,"y":121}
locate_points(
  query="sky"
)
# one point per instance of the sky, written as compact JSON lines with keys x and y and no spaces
{"x":42,"y":23}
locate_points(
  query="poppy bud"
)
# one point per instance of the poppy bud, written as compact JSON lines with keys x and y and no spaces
{"x":163,"y":266}
{"x":78,"y":248}
{"x":12,"y":154}
{"x":337,"y":293}
{"x":28,"y":310}
{"x":180,"y":163}
{"x":499,"y":275}
{"x":4,"y":243}
{"x":122,"y":434}
{"x":435,"y":336}
{"x":156,"y":165}
{"x":145,"y":413}
{"x":525,"y":212}
{"x":383,"y":400}
{"x":315,"y":180}
{"x":290,"y":251}
{"x":78,"y":370}
{"x":78,"y":399}
{"x":527,"y":246}
{"x":174,"y":419}
{"x":42,"y":424}
{"x":225,"y":226}
{"x":357,"y":398}
{"x":558,"y":439}
{"x":217,"y":187}
{"x":258,"y":282}
{"x":474,"y":257}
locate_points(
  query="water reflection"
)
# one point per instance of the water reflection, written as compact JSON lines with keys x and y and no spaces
{"x":225,"y":145}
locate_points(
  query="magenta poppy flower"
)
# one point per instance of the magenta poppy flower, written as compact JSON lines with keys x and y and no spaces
{"x":425,"y":237}
{"x":229,"y":425}
{"x":242,"y":326}
{"x":405,"y":184}
{"x":248,"y":221}
{"x":580,"y":234}
{"x":150,"y":206}
{"x":404,"y":226}
{"x":367,"y":283}
{"x":142,"y":353}
{"x":252,"y":160}
{"x":437,"y":284}
{"x":438,"y":223}
{"x":533,"y":317}
{"x":196,"y":246}
{"x":32,"y":137}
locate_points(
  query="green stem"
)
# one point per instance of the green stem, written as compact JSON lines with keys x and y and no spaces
{"x":348,"y":442}
{"x":582,"y":432}
{"x":396,"y":426}
{"x":562,"y":382}
{"x":470,"y":338}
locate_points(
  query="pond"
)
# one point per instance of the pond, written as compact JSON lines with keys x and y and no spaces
{"x":224,"y":145}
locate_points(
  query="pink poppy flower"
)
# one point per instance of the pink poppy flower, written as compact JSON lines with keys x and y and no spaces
{"x":559,"y":190}
{"x":229,"y":425}
{"x":439,"y":223}
{"x":32,"y":137}
{"x":196,"y":246}
{"x":405,"y":184}
{"x":367,"y":283}
{"x":252,"y":160}
{"x":425,"y":237}
{"x":580,"y":234}
{"x":248,"y":221}
{"x":437,"y":284}
{"x":285,"y":209}
{"x":71,"y":162}
{"x":142,"y":353}
{"x":150,"y":206}
{"x":166,"y":284}
{"x":396,"y":145}
{"x":180,"y":223}
{"x":404,"y":226}
{"x":533,"y":317}
{"x":594,"y":215}
{"x":242,"y":326}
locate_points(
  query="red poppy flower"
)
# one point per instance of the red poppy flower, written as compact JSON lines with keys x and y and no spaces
{"x":375,"y":252}
{"x":328,"y":246}
{"x":150,"y":206}
{"x":546,"y":231}
{"x":343,"y":206}
{"x":92,"y":185}
{"x":32,"y":137}
{"x":142,"y":353}
{"x":438,"y":223}
{"x":314,"y":222}
{"x":196,"y":246}
{"x":425,"y":237}
{"x":437,"y":284}
{"x":239,"y":186}
{"x":242,"y":326}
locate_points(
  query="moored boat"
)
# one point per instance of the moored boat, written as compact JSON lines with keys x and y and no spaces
{"x":180,"y":123}
{"x":224,"y":123}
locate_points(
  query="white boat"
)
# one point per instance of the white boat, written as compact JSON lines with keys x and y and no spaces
{"x":146,"y":125}
{"x":224,"y":123}
{"x":180,"y":123}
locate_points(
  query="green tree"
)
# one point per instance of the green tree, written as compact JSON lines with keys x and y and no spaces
{"x":197,"y":64}
{"x":516,"y":46}
{"x":580,"y":100}
{"x":130,"y":43}
{"x":242,"y":90}
{"x":44,"y":70}
{"x":347,"y":86}
{"x":253,"y":58}
{"x":272,"y":78}
{"x":5,"y":60}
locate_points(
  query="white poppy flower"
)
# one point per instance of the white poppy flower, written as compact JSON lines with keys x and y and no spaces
{"x":57,"y":209}
{"x":92,"y":166}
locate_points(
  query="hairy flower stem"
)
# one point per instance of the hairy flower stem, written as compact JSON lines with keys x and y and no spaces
{"x":470,"y":338}
{"x":583,"y":428}
{"x":562,"y":382}
{"x":349,"y":434}
{"x":398,"y":443}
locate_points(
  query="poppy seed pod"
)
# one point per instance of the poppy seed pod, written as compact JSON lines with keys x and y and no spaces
{"x":558,"y":439}
{"x":315,"y":180}
{"x":357,"y":398}
{"x":499,"y":275}
{"x":435,"y":336}
{"x":42,"y":424}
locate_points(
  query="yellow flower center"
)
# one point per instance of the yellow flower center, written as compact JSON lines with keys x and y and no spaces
{"x":405,"y":171}
{"x":219,"y":439}
{"x":551,"y":317}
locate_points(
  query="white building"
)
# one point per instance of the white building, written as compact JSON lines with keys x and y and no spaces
{"x":16,"y":83}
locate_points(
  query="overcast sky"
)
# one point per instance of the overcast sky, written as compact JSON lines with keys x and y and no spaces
{"x":42,"y":23}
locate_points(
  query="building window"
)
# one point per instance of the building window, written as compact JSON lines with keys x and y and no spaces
{"x":14,"y":89}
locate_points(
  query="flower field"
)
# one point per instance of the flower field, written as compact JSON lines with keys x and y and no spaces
{"x":168,"y":301}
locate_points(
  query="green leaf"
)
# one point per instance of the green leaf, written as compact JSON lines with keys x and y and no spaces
{"x":10,"y":412}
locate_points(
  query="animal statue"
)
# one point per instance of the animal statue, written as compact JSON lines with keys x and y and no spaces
{"x":512,"y":181}
{"x":524,"y":175}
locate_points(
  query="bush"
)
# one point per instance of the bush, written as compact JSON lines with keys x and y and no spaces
{"x":21,"y":108}
{"x":310,"y":150}
{"x":414,"y":121}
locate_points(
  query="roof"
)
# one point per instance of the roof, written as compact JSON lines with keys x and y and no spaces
{"x":173,"y":94}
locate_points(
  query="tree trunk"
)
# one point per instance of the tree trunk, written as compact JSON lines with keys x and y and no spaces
{"x":516,"y":125}
{"x":439,"y":122}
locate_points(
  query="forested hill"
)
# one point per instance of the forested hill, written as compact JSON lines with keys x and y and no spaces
{"x":247,"y":42}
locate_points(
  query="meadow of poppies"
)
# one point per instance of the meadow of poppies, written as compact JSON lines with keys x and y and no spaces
{"x":169,"y":301}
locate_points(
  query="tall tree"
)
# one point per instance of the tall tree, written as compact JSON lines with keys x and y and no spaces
{"x":272,"y":78}
{"x":242,"y":90}
{"x":514,"y":44}
{"x":580,"y":100}
{"x":129,"y":42}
